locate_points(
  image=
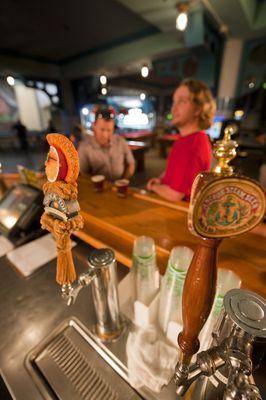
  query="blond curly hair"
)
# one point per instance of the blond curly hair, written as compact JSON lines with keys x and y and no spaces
{"x":202,"y":97}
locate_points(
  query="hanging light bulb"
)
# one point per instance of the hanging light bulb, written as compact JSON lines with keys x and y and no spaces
{"x":10,"y":80}
{"x":144,"y":71}
{"x":182,"y":18}
{"x":181,"y":21}
{"x":142,"y":96}
{"x":104,"y":91}
{"x":103,"y":79}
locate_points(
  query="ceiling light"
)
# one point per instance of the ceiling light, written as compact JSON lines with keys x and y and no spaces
{"x":103,"y":79}
{"x":104,"y":91}
{"x":10,"y":80}
{"x":85,"y":111}
{"x":144,"y":71}
{"x":181,"y":21}
{"x":142,"y":96}
{"x":182,"y":18}
{"x":239,"y":114}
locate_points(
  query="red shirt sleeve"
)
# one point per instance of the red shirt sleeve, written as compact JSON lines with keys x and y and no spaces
{"x":189,"y":156}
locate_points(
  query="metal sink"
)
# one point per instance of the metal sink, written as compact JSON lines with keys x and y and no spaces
{"x":66,"y":366}
{"x":72,"y":364}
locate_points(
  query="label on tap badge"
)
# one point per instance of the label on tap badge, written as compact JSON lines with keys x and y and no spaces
{"x":228,"y":207}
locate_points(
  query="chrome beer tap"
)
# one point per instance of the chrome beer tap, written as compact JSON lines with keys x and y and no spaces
{"x":242,"y":321}
{"x":101,"y":275}
{"x":70,"y":292}
{"x":242,"y":387}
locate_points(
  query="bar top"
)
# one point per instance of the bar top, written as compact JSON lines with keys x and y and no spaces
{"x":115,"y":222}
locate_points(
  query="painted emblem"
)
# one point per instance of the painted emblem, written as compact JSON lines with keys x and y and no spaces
{"x":228,"y":207}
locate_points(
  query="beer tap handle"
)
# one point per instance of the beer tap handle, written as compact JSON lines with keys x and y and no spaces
{"x":214,"y":197}
{"x":198,"y":296}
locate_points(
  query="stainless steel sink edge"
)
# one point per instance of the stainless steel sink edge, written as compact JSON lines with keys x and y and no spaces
{"x":102,"y":349}
{"x":99,"y":346}
{"x":88,"y":336}
{"x":29,"y":364}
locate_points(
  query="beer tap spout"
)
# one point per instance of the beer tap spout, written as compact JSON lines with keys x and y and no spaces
{"x":70,"y":293}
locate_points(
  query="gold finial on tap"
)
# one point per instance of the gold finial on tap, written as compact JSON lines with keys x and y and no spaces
{"x":224,"y":151}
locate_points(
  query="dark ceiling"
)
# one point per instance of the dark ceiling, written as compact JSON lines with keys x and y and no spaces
{"x":153,"y":80}
{"x":59,"y":31}
{"x":75,"y":38}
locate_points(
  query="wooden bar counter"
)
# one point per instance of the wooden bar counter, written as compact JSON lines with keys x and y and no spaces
{"x":115,"y":222}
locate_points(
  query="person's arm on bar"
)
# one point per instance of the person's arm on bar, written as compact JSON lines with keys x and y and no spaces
{"x":129,"y":171}
{"x":155,"y":180}
{"x":166,"y":192}
{"x":129,"y":160}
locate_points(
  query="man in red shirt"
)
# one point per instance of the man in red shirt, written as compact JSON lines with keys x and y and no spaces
{"x":193,"y":110}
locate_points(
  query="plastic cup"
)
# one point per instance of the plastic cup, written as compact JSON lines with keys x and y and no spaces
{"x":170,"y":305}
{"x":98,"y":182}
{"x":144,"y":246}
{"x":226,"y":280}
{"x":121,"y":187}
{"x":180,"y":257}
{"x":145,"y":269}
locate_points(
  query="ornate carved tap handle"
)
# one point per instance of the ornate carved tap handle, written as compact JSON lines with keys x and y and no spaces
{"x":61,"y":214}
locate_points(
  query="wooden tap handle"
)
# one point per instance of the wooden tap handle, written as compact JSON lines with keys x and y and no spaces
{"x":198,"y":295}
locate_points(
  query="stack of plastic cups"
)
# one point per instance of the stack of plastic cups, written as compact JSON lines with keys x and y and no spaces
{"x":145,"y":269}
{"x":226,"y":281}
{"x":170,"y":306}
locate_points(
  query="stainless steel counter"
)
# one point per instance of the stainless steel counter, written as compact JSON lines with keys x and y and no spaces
{"x":30,"y":309}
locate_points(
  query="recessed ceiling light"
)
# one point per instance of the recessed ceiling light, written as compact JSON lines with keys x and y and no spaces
{"x":182,"y":18}
{"x":103,"y":79}
{"x":10,"y":80}
{"x":144,"y":71}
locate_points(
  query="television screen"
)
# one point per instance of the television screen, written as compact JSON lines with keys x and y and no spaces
{"x":14,"y":204}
